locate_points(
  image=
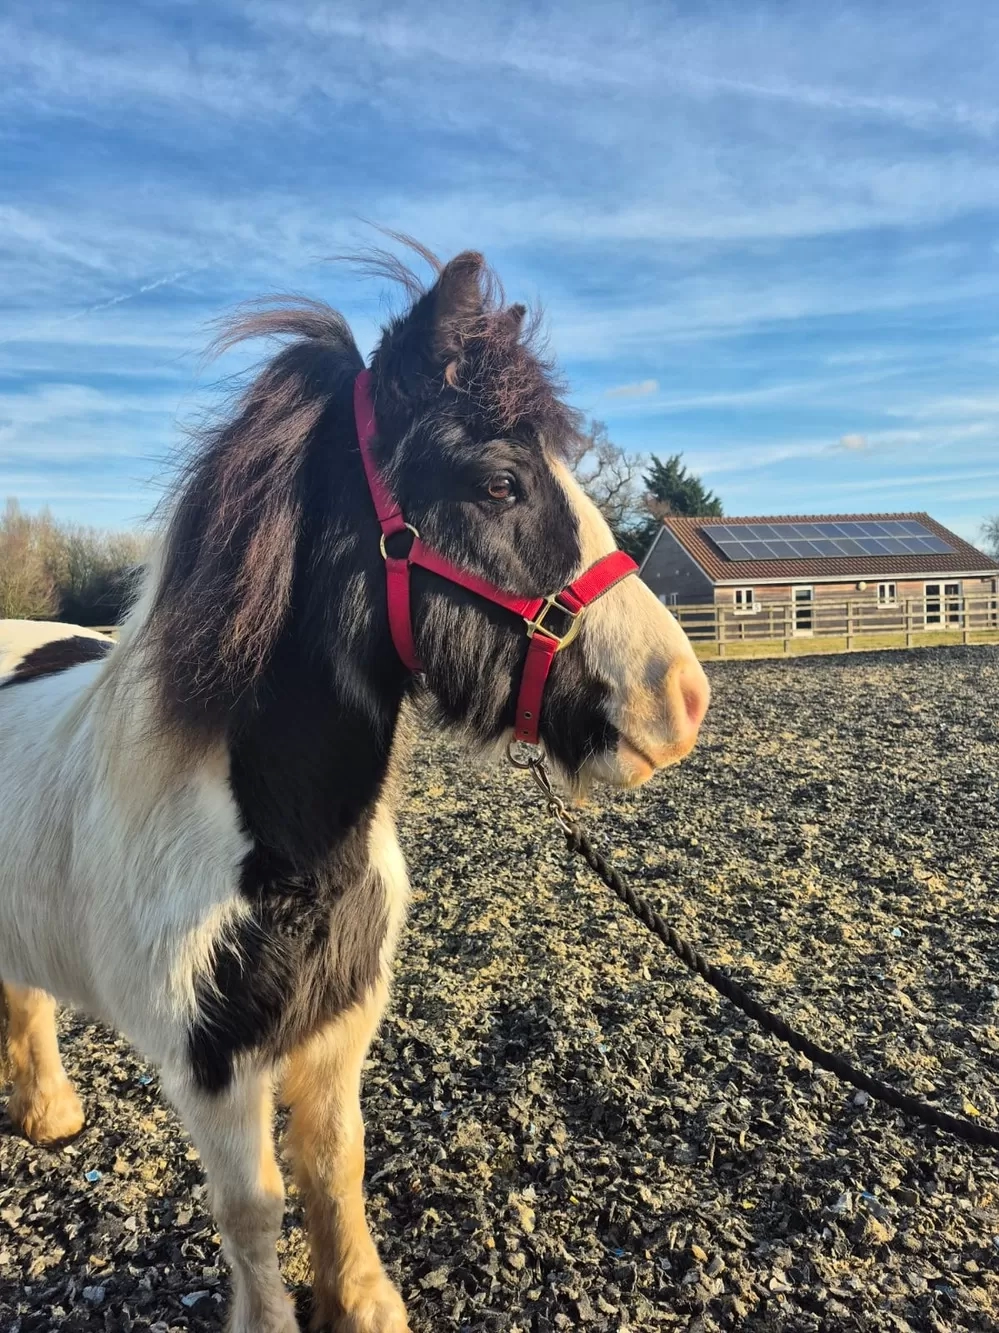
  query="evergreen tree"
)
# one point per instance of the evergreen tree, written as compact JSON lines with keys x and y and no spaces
{"x":634,"y":506}
{"x":674,"y":490}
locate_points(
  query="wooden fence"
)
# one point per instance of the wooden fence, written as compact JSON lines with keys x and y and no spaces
{"x":829,"y":626}
{"x":796,"y":626}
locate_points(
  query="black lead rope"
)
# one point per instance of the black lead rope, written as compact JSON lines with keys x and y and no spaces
{"x":579,"y":843}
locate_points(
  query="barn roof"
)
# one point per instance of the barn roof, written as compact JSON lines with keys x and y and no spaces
{"x":690,"y":533}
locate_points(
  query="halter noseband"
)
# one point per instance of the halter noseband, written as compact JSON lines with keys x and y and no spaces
{"x":572,"y":601}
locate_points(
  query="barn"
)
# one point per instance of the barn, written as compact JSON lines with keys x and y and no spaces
{"x":872,"y":563}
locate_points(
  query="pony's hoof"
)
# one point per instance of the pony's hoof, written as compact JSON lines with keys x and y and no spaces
{"x":374,"y":1307}
{"x":47,"y":1118}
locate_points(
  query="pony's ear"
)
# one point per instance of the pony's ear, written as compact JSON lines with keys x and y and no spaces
{"x":515,"y":315}
{"x":458,"y":305}
{"x":424,"y":347}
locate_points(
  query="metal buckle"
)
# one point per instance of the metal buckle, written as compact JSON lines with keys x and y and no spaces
{"x":409,"y":528}
{"x":538,"y":626}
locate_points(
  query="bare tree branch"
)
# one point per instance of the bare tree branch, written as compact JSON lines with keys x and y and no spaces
{"x":611,"y":477}
{"x":990,"y":535}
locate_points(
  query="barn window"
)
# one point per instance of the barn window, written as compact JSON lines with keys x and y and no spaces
{"x":887,"y":594}
{"x":745,"y":602}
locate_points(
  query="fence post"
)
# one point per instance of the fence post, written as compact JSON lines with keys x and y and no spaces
{"x":720,"y":630}
{"x":908,"y":622}
{"x":786,"y":609}
{"x":849,"y":626}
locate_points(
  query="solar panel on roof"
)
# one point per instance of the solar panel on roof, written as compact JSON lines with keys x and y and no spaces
{"x":823,"y":540}
{"x":735,"y":551}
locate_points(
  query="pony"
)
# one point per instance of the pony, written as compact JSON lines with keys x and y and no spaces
{"x":198,"y":821}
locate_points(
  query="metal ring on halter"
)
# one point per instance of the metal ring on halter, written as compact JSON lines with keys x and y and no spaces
{"x":409,"y":528}
{"x":532,"y":757}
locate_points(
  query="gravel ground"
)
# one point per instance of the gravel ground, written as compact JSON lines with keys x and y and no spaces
{"x":565,"y":1131}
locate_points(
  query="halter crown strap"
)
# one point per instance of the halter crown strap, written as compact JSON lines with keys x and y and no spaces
{"x":544,"y":642}
{"x":391,"y":521}
{"x":388,"y":511}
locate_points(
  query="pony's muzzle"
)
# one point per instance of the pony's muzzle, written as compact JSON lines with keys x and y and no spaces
{"x":667,"y":738}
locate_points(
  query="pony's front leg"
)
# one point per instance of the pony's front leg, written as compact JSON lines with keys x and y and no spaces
{"x":43,"y":1104}
{"x":233,"y":1132}
{"x":326,"y":1136}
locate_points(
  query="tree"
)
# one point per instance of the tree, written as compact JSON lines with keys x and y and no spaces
{"x":635,"y":505}
{"x":674,"y":490}
{"x":990,"y":535}
{"x":95,"y":573}
{"x":58,"y":571}
{"x":611,"y":477}
{"x":27,"y":588}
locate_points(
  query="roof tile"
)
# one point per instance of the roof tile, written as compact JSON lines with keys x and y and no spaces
{"x":688,"y":532}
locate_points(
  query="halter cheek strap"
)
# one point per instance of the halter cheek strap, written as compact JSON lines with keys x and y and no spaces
{"x":572,"y":601}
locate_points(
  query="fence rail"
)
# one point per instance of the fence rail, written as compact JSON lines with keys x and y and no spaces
{"x":788,"y":626}
{"x":857,"y":623}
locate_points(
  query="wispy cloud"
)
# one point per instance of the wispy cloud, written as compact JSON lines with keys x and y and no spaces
{"x":641,"y":389}
{"x":759,"y":300}
{"x":248,"y":74}
{"x":39,"y":330}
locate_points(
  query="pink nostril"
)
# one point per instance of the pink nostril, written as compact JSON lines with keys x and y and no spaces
{"x":696,"y":693}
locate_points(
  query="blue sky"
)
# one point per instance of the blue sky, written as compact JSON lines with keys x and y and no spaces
{"x":765,"y":235}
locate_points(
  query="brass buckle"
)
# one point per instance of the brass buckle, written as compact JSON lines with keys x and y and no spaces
{"x":538,"y":626}
{"x":409,"y":528}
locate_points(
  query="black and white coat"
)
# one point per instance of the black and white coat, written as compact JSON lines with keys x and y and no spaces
{"x":198,"y":823}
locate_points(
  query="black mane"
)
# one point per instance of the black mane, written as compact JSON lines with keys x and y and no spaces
{"x":234,"y":537}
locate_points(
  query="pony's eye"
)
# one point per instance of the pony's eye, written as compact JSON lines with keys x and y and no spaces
{"x":501,"y":488}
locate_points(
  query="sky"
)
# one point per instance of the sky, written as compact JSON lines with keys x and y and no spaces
{"x":765,"y":235}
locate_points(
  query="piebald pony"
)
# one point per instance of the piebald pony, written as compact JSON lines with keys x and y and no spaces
{"x":198,"y":824}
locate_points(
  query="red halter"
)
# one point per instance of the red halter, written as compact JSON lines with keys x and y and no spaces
{"x":544,"y":642}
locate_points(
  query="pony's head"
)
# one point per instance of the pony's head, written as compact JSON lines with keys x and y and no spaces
{"x":272,"y":559}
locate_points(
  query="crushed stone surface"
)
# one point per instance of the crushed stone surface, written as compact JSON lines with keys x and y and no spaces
{"x":565,"y":1130}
